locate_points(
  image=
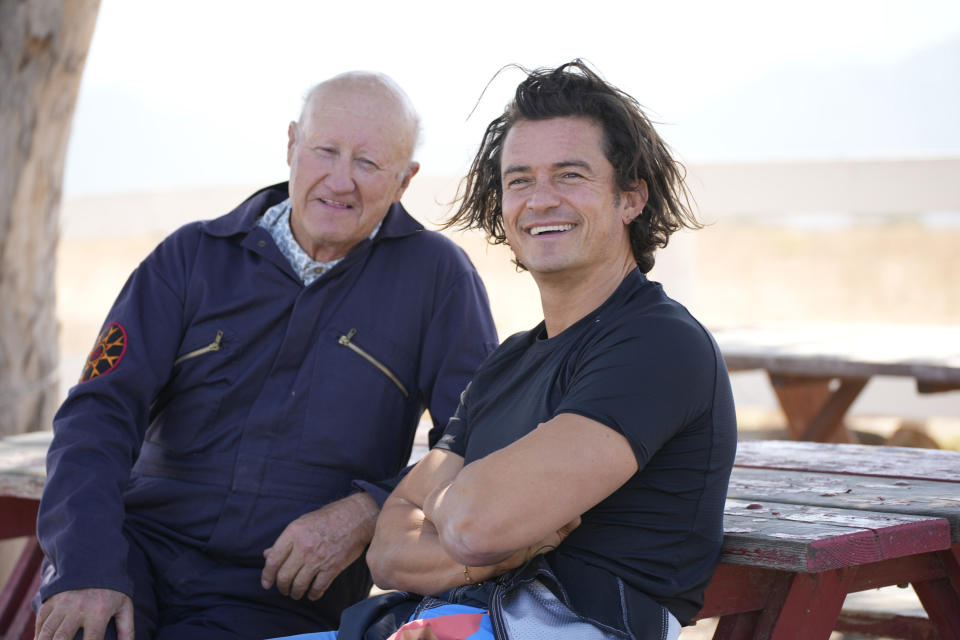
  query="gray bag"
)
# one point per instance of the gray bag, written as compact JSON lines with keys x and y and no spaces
{"x":530,"y":604}
{"x":530,"y":611}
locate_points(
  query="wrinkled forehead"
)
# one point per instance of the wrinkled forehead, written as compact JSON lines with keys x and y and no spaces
{"x":362,"y":103}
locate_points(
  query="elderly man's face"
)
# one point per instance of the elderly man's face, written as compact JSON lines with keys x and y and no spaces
{"x":349,"y":161}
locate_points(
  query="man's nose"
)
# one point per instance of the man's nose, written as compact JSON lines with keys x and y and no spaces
{"x":543,"y":196}
{"x":340,"y":178}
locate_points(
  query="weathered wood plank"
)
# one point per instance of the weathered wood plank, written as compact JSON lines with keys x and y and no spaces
{"x":813,"y":539}
{"x":928,"y":354}
{"x":867,"y":493}
{"x":856,"y":459}
{"x":23,"y":465}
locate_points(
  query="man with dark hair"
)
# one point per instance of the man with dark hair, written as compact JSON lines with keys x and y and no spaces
{"x":597,"y":447}
{"x":253,"y":372}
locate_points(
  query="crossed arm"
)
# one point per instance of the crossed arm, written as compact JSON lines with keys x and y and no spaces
{"x":495,"y":513}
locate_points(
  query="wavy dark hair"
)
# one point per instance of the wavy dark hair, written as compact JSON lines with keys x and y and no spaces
{"x":632,"y":144}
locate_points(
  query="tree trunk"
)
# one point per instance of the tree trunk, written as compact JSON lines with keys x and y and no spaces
{"x":43,"y":47}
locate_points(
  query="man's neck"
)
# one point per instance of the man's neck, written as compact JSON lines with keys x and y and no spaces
{"x":566,"y":298}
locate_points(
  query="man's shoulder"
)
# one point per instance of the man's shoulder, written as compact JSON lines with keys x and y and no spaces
{"x":647,"y":313}
{"x":189,"y":238}
{"x":421,"y":246}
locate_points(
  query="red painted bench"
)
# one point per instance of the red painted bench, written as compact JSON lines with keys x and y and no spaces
{"x":808,"y":523}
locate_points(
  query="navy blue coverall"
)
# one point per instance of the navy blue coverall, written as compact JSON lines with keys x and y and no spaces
{"x":224,"y":399}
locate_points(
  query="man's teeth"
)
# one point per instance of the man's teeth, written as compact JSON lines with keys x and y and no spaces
{"x":335,"y":202}
{"x":535,"y":231}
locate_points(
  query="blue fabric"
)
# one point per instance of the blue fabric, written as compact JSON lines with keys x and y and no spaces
{"x":205,"y":454}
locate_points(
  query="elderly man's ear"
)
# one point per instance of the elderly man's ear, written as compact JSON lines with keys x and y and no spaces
{"x":632,"y":202}
{"x":408,"y":173}
{"x":291,"y":140}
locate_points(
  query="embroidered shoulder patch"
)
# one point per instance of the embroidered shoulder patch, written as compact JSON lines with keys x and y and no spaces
{"x":107,"y":353}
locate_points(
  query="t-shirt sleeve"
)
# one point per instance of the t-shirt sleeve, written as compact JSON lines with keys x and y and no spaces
{"x":646,"y":379}
{"x":454,"y":438}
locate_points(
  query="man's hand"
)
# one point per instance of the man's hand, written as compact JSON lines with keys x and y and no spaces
{"x":64,"y":613}
{"x":317,"y":546}
{"x":523,"y":556}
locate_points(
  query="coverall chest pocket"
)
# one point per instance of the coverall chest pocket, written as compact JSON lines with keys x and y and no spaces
{"x":363,"y":383}
{"x":202,"y":373}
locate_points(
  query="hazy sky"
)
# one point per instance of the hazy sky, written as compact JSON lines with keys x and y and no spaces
{"x":199,"y":92}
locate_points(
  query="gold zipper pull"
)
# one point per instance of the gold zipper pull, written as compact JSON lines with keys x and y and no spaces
{"x":346,"y":339}
{"x":213,"y":346}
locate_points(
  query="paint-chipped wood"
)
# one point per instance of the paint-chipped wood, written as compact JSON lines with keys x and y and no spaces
{"x":813,"y":539}
{"x":888,"y":462}
{"x":23,"y":465}
{"x":844,"y":491}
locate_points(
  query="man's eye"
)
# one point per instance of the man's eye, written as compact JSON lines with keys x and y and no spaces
{"x":327,"y":151}
{"x":517,"y":182}
{"x":571,"y":175}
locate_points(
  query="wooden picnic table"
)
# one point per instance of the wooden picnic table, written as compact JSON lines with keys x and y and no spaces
{"x":817,"y":372}
{"x":807,"y":523}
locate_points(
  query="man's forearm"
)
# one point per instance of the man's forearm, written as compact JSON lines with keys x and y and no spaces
{"x":407,"y":554}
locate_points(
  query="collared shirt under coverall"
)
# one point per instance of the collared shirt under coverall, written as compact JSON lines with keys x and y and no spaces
{"x":239,"y":406}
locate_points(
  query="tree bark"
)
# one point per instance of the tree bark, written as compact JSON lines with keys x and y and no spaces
{"x":43,"y":47}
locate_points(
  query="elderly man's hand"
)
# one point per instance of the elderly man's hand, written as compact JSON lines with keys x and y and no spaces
{"x":65,"y":613}
{"x":317,"y":546}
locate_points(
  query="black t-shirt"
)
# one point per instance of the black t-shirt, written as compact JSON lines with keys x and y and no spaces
{"x":642,"y":365}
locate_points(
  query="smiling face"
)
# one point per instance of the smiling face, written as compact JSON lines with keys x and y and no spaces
{"x":349,"y":160}
{"x":562,"y":212}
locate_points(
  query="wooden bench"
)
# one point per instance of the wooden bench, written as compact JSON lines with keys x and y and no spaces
{"x":806,"y":524}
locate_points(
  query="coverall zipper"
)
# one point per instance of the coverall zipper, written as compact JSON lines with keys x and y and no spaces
{"x":347,"y":341}
{"x":213,"y":346}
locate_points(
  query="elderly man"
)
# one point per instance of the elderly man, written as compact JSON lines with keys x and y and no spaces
{"x":256,"y":372}
{"x":591,"y":453}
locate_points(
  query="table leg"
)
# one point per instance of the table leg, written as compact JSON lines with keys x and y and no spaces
{"x":951,"y":562}
{"x":941,"y":597}
{"x":813,"y":410}
{"x":737,"y":626}
{"x":810,"y":608}
{"x":16,"y":616}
